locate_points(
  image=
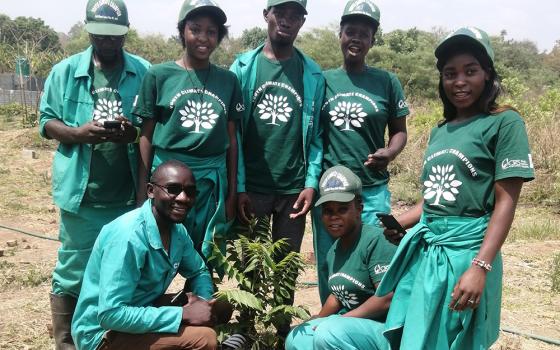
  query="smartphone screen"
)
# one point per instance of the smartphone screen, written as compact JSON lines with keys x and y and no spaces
{"x":111,"y":124}
{"x":390,"y":222}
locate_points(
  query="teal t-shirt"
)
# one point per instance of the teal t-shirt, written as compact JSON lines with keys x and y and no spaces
{"x":353,"y":272}
{"x":464,"y":160}
{"x":355,"y":114}
{"x":110,"y":181}
{"x":191,"y":107}
{"x":273,"y":145}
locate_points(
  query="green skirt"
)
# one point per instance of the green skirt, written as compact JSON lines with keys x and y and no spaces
{"x":428,"y":263}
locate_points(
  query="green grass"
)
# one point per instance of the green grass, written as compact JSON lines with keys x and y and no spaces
{"x":537,"y":230}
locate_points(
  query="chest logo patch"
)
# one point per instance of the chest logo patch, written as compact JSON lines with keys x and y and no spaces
{"x":442,"y":183}
{"x":274,"y":108}
{"x":346,"y":114}
{"x":106,"y":109}
{"x":346,"y":298}
{"x":199,"y":115}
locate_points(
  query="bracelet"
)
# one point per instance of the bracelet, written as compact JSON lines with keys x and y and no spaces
{"x":482,"y":264}
{"x":137,"y":135}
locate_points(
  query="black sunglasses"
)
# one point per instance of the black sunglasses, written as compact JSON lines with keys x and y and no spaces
{"x":176,"y":189}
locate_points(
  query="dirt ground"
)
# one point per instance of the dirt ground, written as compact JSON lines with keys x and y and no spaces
{"x":528,"y":304}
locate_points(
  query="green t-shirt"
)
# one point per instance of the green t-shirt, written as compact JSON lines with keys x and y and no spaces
{"x":191,"y":107}
{"x":354,"y":272}
{"x":273,"y":143}
{"x":464,"y":160}
{"x":110,"y":181}
{"x":355,"y":114}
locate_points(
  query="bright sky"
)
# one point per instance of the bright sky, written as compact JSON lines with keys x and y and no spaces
{"x":533,"y":20}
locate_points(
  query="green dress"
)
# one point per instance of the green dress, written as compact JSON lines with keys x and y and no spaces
{"x":461,"y":165}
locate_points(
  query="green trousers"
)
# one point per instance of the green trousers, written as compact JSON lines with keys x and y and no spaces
{"x":77,"y":234}
{"x":376,"y":199}
{"x":336,"y":332}
{"x":426,"y":267}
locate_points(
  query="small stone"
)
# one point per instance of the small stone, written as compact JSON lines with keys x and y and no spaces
{"x":24,"y":239}
{"x":27,"y":246}
{"x":12,"y":243}
{"x":1,"y":252}
{"x":29,"y":154}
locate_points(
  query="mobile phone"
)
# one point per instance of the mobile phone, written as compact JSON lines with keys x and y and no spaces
{"x":112,"y":124}
{"x":390,"y":222}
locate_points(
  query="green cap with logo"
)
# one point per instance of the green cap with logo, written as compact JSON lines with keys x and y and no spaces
{"x":106,"y":17}
{"x":362,"y":8}
{"x":192,"y":7}
{"x":338,"y":184}
{"x":302,"y":3}
{"x":465,"y":36}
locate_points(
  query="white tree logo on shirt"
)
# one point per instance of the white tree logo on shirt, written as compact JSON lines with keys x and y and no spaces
{"x":347,"y":299}
{"x":274,"y":107}
{"x":107,"y":110}
{"x":441,"y":183}
{"x":198,"y":114}
{"x":346,"y":113}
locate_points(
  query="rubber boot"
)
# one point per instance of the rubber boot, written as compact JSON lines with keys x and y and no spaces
{"x":62,"y":310}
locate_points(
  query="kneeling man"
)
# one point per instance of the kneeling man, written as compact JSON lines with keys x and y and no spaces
{"x":133,"y":261}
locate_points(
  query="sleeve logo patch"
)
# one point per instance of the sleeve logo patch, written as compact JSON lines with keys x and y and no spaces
{"x":378,"y":269}
{"x":240,"y":107}
{"x":516,"y":163}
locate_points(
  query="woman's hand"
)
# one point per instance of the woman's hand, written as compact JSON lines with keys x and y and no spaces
{"x":468,"y":290}
{"x":392,"y":236}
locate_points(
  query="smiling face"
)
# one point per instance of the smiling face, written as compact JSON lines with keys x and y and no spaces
{"x":201,"y":38}
{"x":463,"y":80}
{"x":342,"y":218}
{"x":284,"y":22}
{"x":168,"y":206}
{"x":356,"y":38}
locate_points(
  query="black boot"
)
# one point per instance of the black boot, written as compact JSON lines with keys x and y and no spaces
{"x":62,"y":310}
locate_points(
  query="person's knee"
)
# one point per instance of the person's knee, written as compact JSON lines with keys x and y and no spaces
{"x":328,"y":336}
{"x":207,"y":339}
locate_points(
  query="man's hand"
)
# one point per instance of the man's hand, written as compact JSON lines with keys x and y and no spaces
{"x":304,"y":201}
{"x":380,"y":159}
{"x":126,"y":133}
{"x":93,"y":133}
{"x":244,"y":209}
{"x":198,"y":312}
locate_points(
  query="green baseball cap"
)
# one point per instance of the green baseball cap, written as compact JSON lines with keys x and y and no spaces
{"x":363,"y":8}
{"x":191,"y":7}
{"x":465,"y":36}
{"x":302,"y":3}
{"x":338,"y":184}
{"x":107,"y":17}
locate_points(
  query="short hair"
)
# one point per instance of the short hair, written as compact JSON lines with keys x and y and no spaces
{"x":173,"y":163}
{"x":222,"y":28}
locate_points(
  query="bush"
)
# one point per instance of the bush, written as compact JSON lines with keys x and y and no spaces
{"x":555,"y":275}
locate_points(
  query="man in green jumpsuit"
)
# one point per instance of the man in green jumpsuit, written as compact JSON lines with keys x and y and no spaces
{"x":133,"y":262}
{"x":94,"y":164}
{"x":280,"y":136}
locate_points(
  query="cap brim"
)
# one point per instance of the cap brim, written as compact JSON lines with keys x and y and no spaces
{"x":336,"y":197}
{"x":359,"y":15}
{"x":106,"y":29}
{"x":216,"y":11}
{"x":454,"y":40}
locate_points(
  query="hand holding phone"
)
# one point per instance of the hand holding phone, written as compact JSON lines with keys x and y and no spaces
{"x":112,"y":124}
{"x":391,"y":223}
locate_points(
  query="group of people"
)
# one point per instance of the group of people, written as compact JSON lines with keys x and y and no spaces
{"x":156,"y":162}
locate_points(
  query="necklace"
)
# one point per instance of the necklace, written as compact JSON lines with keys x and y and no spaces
{"x":201,"y":92}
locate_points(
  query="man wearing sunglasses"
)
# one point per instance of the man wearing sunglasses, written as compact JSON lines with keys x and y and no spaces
{"x":133,"y":261}
{"x":85,"y":105}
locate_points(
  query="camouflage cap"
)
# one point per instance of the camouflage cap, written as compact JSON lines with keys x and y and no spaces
{"x":106,"y":17}
{"x":338,"y":184}
{"x":191,"y":7}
